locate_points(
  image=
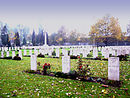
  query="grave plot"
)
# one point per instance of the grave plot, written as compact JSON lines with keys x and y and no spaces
{"x":53,"y":76}
{"x":20,"y":84}
{"x":82,"y":71}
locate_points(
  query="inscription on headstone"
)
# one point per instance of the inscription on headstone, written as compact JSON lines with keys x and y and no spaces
{"x":2,"y":54}
{"x":113,"y":68}
{"x":30,"y":52}
{"x":7,"y":54}
{"x":33,"y":62}
{"x":20,"y":54}
{"x":25,"y":52}
{"x":13,"y":54}
{"x":57,"y":53}
{"x":66,"y":64}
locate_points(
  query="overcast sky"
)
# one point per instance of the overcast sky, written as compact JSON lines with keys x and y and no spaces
{"x":52,"y":14}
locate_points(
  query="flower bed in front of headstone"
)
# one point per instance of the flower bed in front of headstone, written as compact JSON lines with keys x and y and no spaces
{"x":82,"y":73}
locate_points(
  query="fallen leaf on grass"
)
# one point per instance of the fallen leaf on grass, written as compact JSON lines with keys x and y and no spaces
{"x":104,"y":91}
{"x":104,"y":85}
{"x":126,"y":89}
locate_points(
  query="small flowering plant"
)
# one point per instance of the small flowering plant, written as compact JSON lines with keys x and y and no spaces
{"x":82,"y":69}
{"x":46,"y":68}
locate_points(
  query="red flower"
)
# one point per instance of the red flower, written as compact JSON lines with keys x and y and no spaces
{"x":80,"y":66}
{"x":48,"y":64}
{"x":45,"y":64}
{"x":78,"y":57}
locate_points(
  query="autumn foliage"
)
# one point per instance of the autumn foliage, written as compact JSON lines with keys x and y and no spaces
{"x":106,"y":28}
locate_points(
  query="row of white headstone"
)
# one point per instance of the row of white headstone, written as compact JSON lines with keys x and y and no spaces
{"x":85,"y":50}
{"x":106,"y":51}
{"x":36,"y":52}
{"x":9,"y":48}
{"x":113,"y":65}
{"x":13,"y":54}
{"x":65,"y":62}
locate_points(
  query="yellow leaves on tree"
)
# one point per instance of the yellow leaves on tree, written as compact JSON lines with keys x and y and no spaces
{"x":106,"y":27}
{"x":115,"y":28}
{"x":60,"y":39}
{"x":12,"y":36}
{"x":78,"y":39}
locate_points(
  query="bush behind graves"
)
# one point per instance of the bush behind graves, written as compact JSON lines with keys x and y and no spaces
{"x":73,"y":57}
{"x":54,"y":53}
{"x":41,"y":55}
{"x":17,"y":57}
{"x":123,"y":57}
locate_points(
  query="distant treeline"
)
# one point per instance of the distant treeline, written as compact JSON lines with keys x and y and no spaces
{"x":106,"y":31}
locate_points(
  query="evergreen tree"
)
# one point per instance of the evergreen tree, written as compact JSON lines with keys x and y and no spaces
{"x":24,"y":41}
{"x":52,"y":39}
{"x":38,"y":39}
{"x":33,"y":39}
{"x":4,"y":33}
{"x":17,"y":40}
{"x":9,"y":43}
{"x":42,"y":38}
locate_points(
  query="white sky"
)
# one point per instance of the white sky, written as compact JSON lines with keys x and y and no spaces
{"x":73,"y":14}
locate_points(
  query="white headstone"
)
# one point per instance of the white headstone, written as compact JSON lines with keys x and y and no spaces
{"x":15,"y":48}
{"x":36,"y":52}
{"x":2,"y":54}
{"x":118,"y":52}
{"x":71,"y":51}
{"x":5,"y":48}
{"x":9,"y":48}
{"x":113,"y":53}
{"x":66,"y":64}
{"x":57,"y":53}
{"x":123,"y":52}
{"x":50,"y":53}
{"x":95,"y":53}
{"x":65,"y":52}
{"x":7,"y":54}
{"x":113,"y":68}
{"x":25,"y":52}
{"x":33,"y":62}
{"x":30,"y":52}
{"x":13,"y":54}
{"x":20,"y":54}
{"x":12,"y":48}
{"x":18,"y":48}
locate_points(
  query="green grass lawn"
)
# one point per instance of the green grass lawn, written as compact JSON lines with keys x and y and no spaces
{"x":14,"y":82}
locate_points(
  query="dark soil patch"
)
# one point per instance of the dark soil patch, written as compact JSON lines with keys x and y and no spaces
{"x":17,"y":58}
{"x":41,"y":55}
{"x":26,"y":55}
{"x":73,"y":57}
{"x":97,"y":59}
{"x":103,"y":81}
{"x":6,"y":58}
{"x":55,"y":57}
